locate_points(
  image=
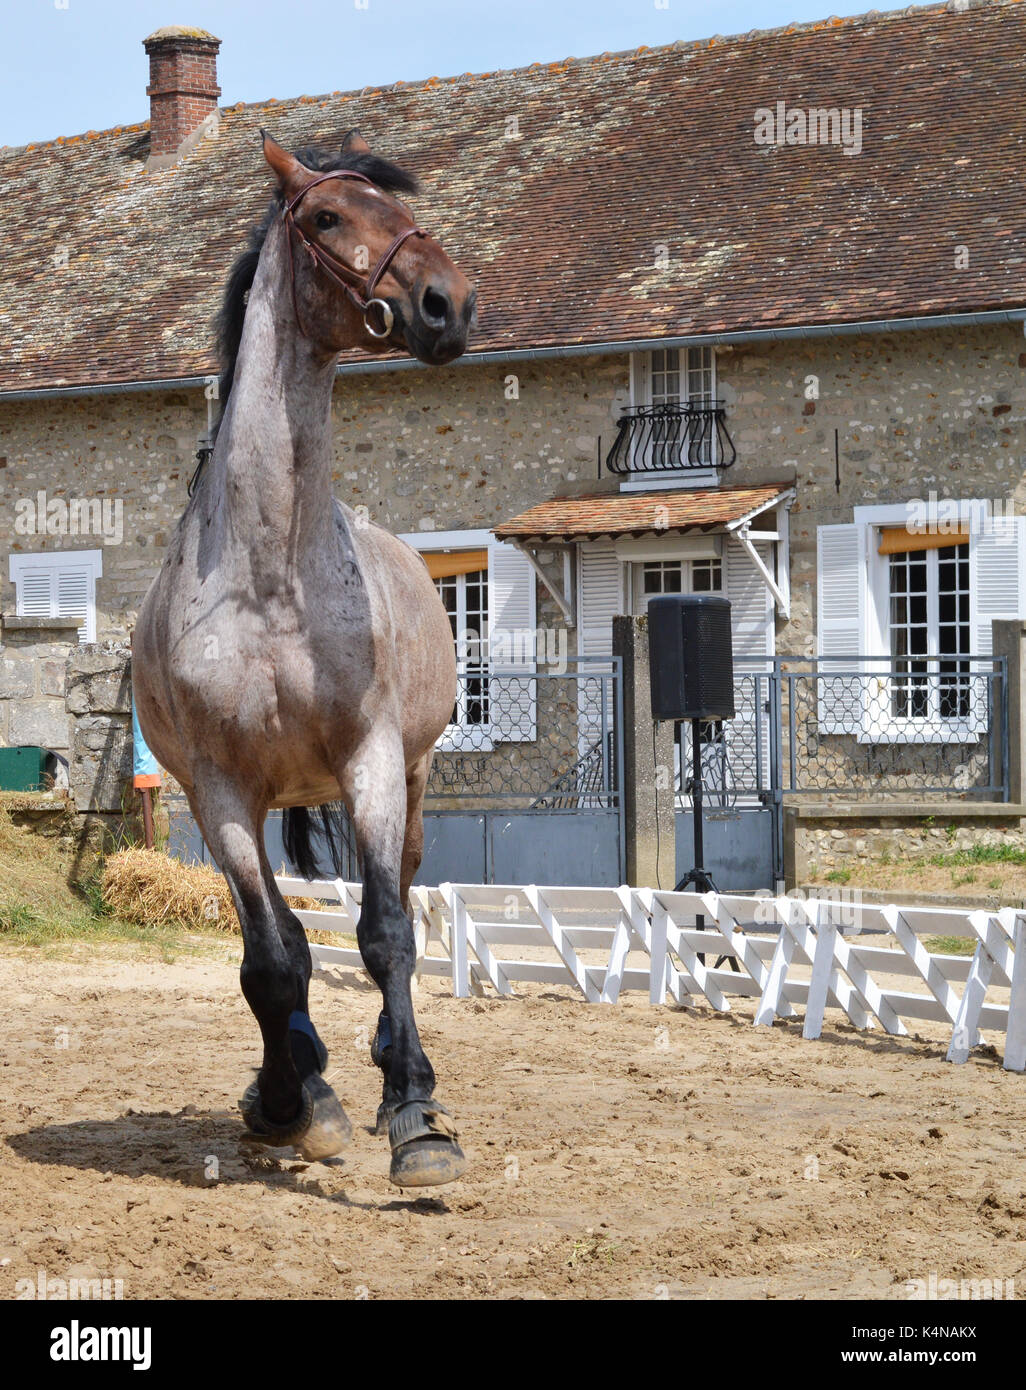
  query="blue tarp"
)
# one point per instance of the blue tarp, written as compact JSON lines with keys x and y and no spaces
{"x":144,"y":764}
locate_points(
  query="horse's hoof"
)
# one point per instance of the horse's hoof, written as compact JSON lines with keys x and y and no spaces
{"x":386,"y":1110}
{"x":330,"y":1130}
{"x":424,"y":1148}
{"x":320,"y":1129}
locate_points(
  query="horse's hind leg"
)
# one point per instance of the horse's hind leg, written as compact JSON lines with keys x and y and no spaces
{"x":284,"y":1105}
{"x":421,"y":1134}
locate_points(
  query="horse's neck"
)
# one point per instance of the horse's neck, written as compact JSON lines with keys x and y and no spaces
{"x":271,"y":468}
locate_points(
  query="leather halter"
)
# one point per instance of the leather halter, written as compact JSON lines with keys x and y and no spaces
{"x":359,"y":290}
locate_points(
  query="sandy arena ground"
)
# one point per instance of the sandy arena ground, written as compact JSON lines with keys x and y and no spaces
{"x":621,"y":1151}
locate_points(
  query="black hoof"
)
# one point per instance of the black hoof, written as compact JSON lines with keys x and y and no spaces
{"x":424,"y":1148}
{"x":320,"y":1129}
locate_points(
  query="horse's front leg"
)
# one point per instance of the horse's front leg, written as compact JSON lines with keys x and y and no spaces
{"x":421,"y":1133}
{"x":289,"y":1103}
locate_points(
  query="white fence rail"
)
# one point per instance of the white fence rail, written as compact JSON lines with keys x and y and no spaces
{"x":817,"y":953}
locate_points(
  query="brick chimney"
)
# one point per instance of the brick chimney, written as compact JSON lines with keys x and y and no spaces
{"x":183,"y":88}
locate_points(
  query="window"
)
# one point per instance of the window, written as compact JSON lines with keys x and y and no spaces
{"x":487,"y":588}
{"x":929,"y":618}
{"x":905,"y":616}
{"x":673,"y":377}
{"x":58,"y":584}
{"x":465,"y":597}
{"x":680,"y":374}
{"x":651,"y":577}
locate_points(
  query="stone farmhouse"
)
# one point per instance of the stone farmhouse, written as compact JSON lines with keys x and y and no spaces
{"x":751,"y":322}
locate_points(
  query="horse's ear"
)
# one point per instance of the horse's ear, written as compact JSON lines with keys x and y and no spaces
{"x":354,"y":143}
{"x":288,"y":170}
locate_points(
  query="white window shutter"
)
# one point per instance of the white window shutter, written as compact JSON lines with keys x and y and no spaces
{"x":642,"y":379}
{"x":754,"y":639}
{"x":599,"y":601}
{"x":511,"y":644}
{"x":751,"y":603}
{"x":997,"y":555}
{"x":74,"y":592}
{"x":59,"y":585}
{"x":840,"y":625}
{"x":35,"y":594}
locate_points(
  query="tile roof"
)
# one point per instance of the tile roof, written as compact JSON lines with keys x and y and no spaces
{"x":627,"y":514}
{"x":560,"y":225}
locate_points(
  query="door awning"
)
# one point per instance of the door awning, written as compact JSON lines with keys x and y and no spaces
{"x":639,"y":514}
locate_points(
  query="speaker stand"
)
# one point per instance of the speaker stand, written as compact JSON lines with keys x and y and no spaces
{"x":697,"y":877}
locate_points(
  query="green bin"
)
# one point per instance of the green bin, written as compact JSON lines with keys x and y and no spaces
{"x":21,"y":769}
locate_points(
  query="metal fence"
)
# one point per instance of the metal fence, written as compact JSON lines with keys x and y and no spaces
{"x":884,"y":726}
{"x":859,"y":727}
{"x":532,"y":740}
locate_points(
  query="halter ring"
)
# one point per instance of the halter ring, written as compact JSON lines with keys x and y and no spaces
{"x":387,"y":318}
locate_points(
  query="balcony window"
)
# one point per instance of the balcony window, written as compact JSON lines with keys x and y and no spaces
{"x":674,"y":424}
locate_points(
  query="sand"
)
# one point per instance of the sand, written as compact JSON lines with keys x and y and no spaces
{"x":624,"y":1151}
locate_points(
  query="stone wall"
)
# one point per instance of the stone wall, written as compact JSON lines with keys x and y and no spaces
{"x":33,"y":655}
{"x":76,"y":701}
{"x":99,"y":700}
{"x":939,"y":410}
{"x":818,"y":840}
{"x":428,"y":450}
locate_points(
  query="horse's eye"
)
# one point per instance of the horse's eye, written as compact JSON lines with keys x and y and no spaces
{"x":326,"y":220}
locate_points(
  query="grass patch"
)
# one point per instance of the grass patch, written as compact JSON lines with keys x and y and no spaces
{"x":950,"y":945}
{"x":29,"y":924}
{"x":979,"y":854}
{"x":34,"y":868}
{"x":838,"y":876}
{"x":591,"y":1249}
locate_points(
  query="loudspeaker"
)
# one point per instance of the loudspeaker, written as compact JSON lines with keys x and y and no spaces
{"x":691,"y":657}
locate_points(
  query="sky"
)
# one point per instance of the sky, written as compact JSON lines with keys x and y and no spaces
{"x":68,"y":66}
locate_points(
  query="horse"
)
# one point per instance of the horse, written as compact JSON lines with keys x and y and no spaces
{"x":289,"y":654}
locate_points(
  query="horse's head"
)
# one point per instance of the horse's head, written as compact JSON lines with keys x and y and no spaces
{"x":363,"y":273}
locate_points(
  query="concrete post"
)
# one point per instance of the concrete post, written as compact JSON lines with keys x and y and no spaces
{"x":649,"y":820}
{"x":33,"y":652}
{"x":1009,"y":641}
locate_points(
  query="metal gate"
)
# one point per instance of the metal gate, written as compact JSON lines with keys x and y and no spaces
{"x":525,"y":786}
{"x":854,"y":728}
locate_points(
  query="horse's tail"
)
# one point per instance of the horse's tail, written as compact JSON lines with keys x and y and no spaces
{"x":328,"y":824}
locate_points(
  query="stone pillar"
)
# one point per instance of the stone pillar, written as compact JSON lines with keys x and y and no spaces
{"x":32,"y":661}
{"x":99,"y":697}
{"x":1009,"y":641}
{"x":649,"y":796}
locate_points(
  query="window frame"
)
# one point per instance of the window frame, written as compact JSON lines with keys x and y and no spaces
{"x":90,"y":560}
{"x":640,"y":394}
{"x":876,"y":636}
{"x":459,"y":732}
{"x":639,"y":601}
{"x":457,"y":737}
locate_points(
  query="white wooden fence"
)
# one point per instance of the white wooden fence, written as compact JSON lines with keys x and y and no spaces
{"x":816,"y":952}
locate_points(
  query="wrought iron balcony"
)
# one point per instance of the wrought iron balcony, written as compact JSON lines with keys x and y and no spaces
{"x":671,"y":438}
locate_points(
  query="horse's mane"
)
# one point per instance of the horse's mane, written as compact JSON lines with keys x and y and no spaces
{"x":232,"y":313}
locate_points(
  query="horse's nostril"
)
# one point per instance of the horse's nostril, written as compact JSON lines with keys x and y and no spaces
{"x":435,"y":306}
